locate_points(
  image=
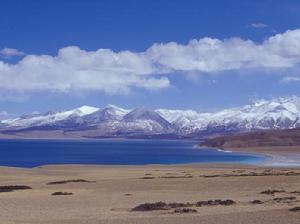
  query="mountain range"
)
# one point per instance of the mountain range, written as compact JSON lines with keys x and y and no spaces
{"x":113,"y":121}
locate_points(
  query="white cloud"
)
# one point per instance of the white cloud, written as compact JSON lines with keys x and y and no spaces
{"x":10,"y":52}
{"x":291,"y":79}
{"x":214,"y":55}
{"x":258,"y":25}
{"x":79,"y":70}
{"x":74,"y":69}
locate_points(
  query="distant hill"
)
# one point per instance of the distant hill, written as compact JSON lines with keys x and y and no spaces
{"x":288,"y":137}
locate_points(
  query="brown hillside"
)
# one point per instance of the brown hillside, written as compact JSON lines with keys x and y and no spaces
{"x":290,"y":137}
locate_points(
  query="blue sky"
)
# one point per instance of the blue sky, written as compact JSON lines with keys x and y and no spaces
{"x":149,"y":58}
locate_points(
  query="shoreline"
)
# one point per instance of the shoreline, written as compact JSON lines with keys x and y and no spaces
{"x":266,"y":160}
{"x":277,"y":156}
{"x":199,"y":165}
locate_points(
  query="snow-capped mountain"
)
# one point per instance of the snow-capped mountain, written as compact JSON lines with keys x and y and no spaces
{"x":111,"y":120}
{"x":147,"y":118}
{"x":48,"y":118}
{"x":280,"y":113}
{"x":108,"y":113}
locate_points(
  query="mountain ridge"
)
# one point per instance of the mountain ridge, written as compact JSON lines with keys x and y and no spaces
{"x":280,"y":113}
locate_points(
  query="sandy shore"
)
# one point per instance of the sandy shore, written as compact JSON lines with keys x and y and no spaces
{"x":112,"y":191}
{"x":276,"y":155}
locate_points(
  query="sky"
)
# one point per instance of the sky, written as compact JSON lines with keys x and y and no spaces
{"x":179,"y":54}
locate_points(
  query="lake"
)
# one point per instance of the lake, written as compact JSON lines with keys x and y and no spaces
{"x":32,"y":153}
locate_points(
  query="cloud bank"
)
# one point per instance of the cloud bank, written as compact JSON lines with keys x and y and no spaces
{"x":74,"y":69}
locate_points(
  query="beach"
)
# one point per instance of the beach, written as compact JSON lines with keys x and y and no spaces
{"x":194,"y":193}
{"x":280,"y":156}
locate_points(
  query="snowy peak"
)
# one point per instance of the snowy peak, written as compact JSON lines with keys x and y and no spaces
{"x":49,"y":112}
{"x":145,"y":114}
{"x":118,"y":111}
{"x":280,"y":113}
{"x":84,"y":110}
{"x":109,"y":113}
{"x":291,"y":104}
{"x":141,"y":114}
{"x":177,"y":115}
{"x":48,"y":118}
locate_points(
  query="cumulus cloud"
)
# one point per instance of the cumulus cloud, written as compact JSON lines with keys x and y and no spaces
{"x":213,"y":55}
{"x":259,"y":25}
{"x":10,"y":52}
{"x":74,"y":69}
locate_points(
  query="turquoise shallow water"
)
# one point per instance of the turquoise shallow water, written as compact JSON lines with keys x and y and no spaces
{"x":31,"y":153}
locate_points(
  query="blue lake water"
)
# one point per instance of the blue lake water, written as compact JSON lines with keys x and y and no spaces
{"x":31,"y":153}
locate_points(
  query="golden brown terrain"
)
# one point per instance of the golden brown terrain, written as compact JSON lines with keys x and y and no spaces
{"x":191,"y":194}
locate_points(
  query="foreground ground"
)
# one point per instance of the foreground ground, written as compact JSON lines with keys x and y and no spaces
{"x":113,"y":191}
